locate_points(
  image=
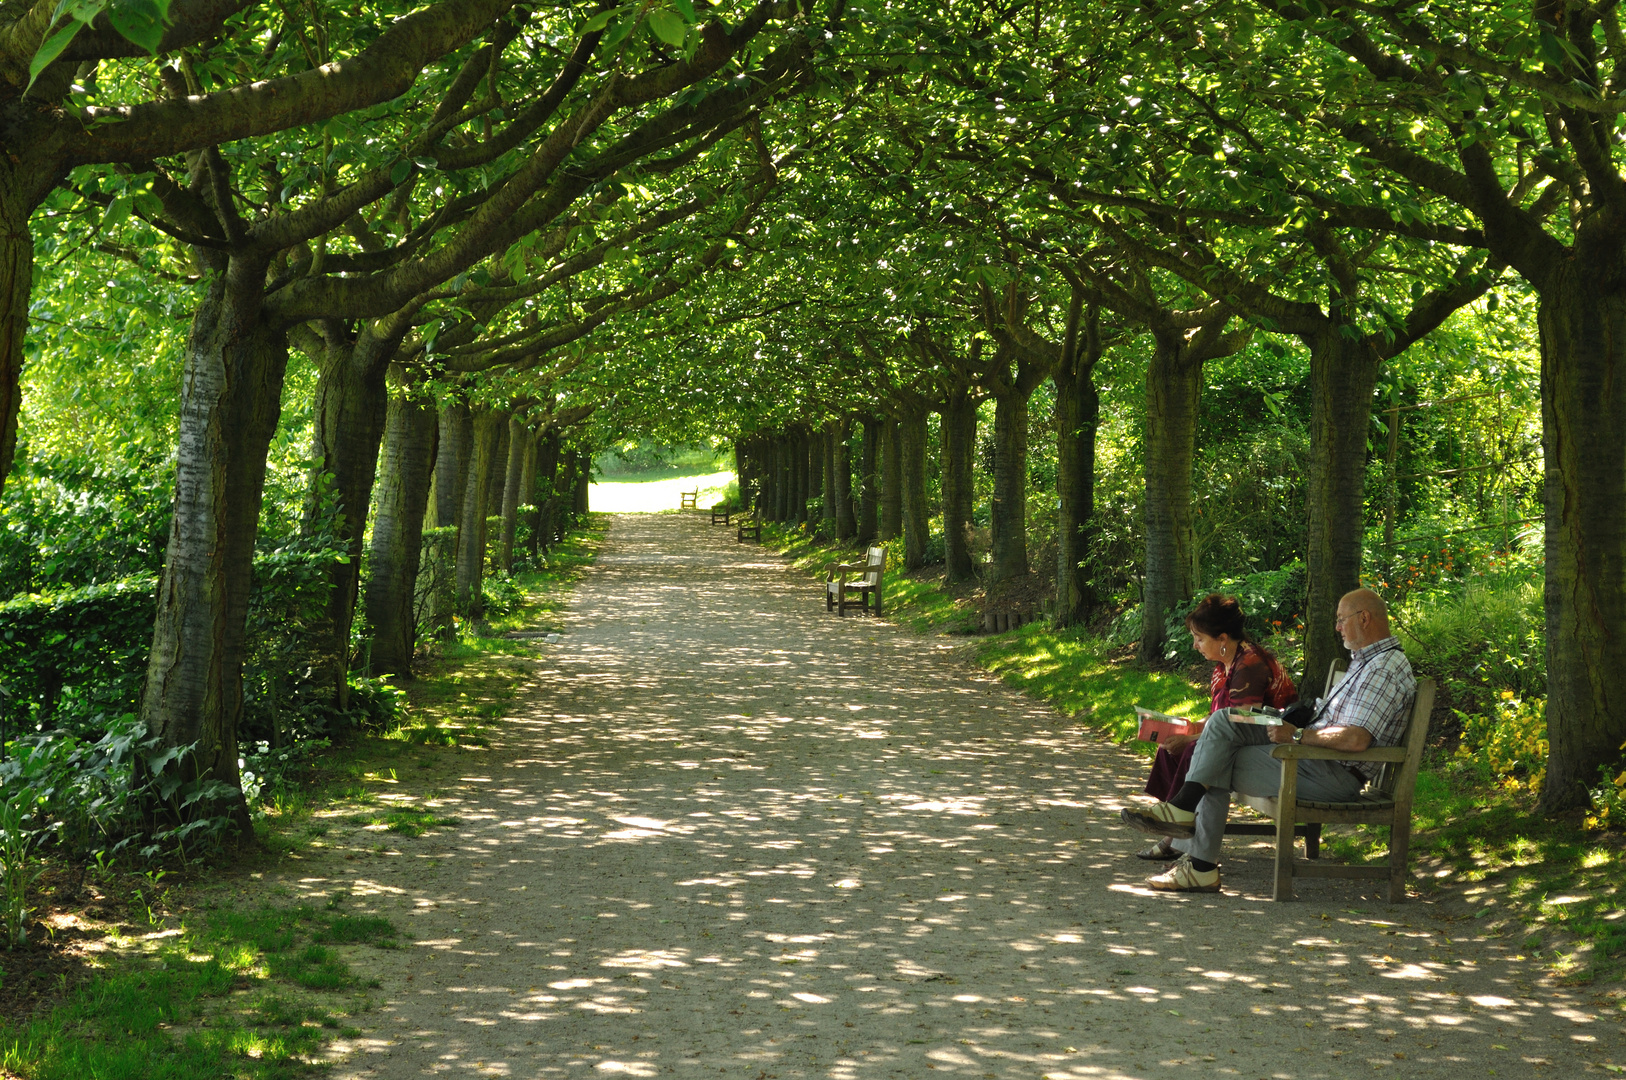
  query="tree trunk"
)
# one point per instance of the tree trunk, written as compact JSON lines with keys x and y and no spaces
{"x":959,"y":436}
{"x":911,"y":431}
{"x":891,"y":482}
{"x":452,"y":464}
{"x":1583,"y":413}
{"x":584,"y":482}
{"x":16,"y":283}
{"x":842,"y":470}
{"x":352,"y":400}
{"x":1008,"y":517}
{"x":230,"y":404}
{"x":405,"y":468}
{"x":869,"y":487}
{"x":1078,"y":418}
{"x":497,"y":482}
{"x":800,"y":464}
{"x":521,"y":450}
{"x":1343,"y":377}
{"x":565,"y":502}
{"x":471,"y":536}
{"x":547,"y":469}
{"x":1173,"y":390}
{"x":827,"y":472}
{"x":526,"y":506}
{"x":784,"y":480}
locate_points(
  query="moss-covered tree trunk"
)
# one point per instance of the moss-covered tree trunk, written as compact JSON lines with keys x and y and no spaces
{"x":891,"y":481}
{"x":19,"y":182}
{"x":842,"y":472}
{"x":452,"y":463}
{"x":958,"y":440}
{"x":1078,"y":418}
{"x":352,"y":400}
{"x":521,"y":450}
{"x":584,"y":486}
{"x":471,"y":535}
{"x":1582,"y":323}
{"x":231,"y":393}
{"x":1343,"y":377}
{"x":1173,"y":390}
{"x":499,"y":473}
{"x":542,"y":494}
{"x":405,"y":466}
{"x":869,"y":482}
{"x":917,"y":511}
{"x":1008,"y":516}
{"x":827,"y":472}
{"x":804,"y":475}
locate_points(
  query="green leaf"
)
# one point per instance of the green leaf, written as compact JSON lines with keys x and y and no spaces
{"x":400,"y":172}
{"x":686,"y":9}
{"x":600,"y":21}
{"x":1551,"y":50}
{"x":50,"y":51}
{"x":669,"y":27}
{"x":140,"y":21}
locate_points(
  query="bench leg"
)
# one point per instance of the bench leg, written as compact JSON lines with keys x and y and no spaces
{"x":1399,"y":844}
{"x":1312,"y":840}
{"x":1286,"y":805}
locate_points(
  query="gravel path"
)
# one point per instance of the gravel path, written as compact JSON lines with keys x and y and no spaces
{"x":728,"y":834}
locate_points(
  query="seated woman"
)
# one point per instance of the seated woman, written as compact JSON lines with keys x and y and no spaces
{"x":1245,"y":673}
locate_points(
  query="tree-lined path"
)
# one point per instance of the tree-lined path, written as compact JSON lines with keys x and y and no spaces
{"x":727,"y":834}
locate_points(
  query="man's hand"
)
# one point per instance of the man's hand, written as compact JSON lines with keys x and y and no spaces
{"x":1281,"y":733}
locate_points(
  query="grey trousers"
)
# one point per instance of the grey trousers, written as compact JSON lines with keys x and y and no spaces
{"x":1236,"y":757}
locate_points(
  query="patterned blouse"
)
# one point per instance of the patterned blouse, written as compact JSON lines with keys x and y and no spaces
{"x":1252,"y":678}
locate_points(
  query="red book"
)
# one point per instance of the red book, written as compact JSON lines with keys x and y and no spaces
{"x":1156,"y":725}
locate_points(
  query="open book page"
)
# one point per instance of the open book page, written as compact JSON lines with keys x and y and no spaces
{"x":1262,"y":715}
{"x":1154,"y":725}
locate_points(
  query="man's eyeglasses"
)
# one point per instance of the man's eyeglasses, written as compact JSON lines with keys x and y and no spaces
{"x":1340,"y":620}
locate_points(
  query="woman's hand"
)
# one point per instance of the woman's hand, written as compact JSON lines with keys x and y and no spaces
{"x":1176,"y":743}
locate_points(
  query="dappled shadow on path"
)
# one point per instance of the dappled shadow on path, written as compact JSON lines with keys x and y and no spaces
{"x":729,"y":834}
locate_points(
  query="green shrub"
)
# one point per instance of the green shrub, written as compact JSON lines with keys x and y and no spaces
{"x":1486,"y":638}
{"x":1510,"y":739}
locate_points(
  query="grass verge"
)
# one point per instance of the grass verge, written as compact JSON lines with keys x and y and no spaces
{"x":236,"y":993}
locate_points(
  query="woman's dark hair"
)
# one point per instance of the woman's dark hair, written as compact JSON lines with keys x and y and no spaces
{"x":1216,"y":614}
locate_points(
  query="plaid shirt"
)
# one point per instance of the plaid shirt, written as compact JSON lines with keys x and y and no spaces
{"x":1377,"y":695}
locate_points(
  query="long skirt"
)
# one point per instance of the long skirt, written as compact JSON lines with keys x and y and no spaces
{"x":1168,"y":773}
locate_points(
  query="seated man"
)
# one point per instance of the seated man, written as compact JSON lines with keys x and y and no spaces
{"x":1369,"y":708}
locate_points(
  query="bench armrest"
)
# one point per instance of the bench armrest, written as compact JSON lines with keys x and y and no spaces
{"x":1297,"y":752}
{"x":836,"y":569}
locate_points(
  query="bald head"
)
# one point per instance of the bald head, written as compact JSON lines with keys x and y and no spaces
{"x":1363,"y":618}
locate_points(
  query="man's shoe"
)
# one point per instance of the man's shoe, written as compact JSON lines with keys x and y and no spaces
{"x":1161,"y":819}
{"x":1183,"y":877}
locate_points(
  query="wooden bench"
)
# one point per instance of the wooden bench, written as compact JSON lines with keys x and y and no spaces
{"x":751,"y":528}
{"x":689,"y":500}
{"x":839,"y":593}
{"x":721,"y":513}
{"x":1310,"y":830}
{"x":1386,"y":801}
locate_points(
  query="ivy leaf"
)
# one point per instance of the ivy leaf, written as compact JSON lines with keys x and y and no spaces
{"x":669,"y":27}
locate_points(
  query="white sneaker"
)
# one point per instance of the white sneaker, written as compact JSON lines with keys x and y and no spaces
{"x":1183,"y":877}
